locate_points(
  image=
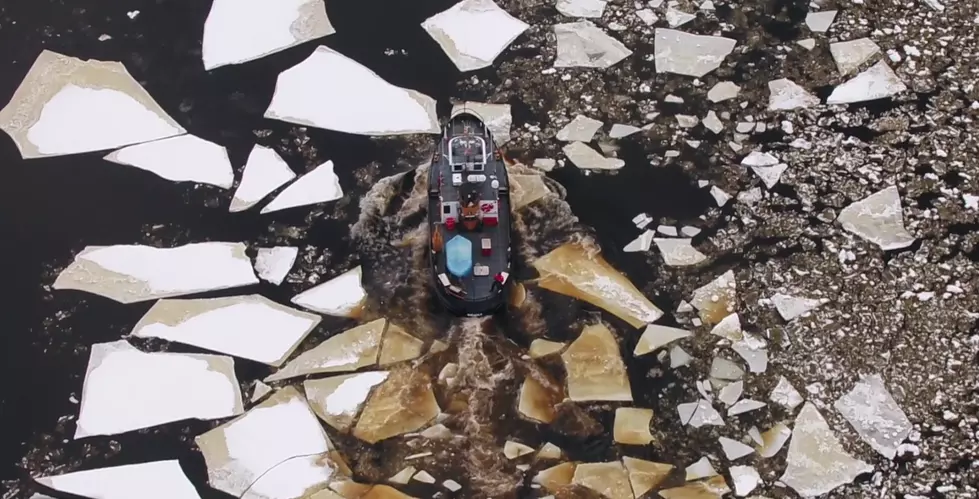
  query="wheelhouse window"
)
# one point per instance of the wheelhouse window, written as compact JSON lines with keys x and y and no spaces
{"x":467,"y":153}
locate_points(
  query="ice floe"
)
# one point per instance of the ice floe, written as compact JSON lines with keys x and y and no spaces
{"x":69,"y":106}
{"x":608,"y":479}
{"x":729,"y":328}
{"x":348,"y":351}
{"x":877,"y":82}
{"x":655,"y":337}
{"x":850,"y":55}
{"x":675,"y":17}
{"x":702,"y":468}
{"x":641,"y":243}
{"x":619,"y":131}
{"x":126,"y":389}
{"x":790,"y":307}
{"x":878,"y":218}
{"x":536,"y":402}
{"x":331,"y":91}
{"x":713,"y":488}
{"x":699,"y":413}
{"x":277,"y":450}
{"x":875,"y":415}
{"x":238,"y":31}
{"x":184,"y":158}
{"x":251,"y":327}
{"x":582,"y":44}
{"x":264,"y":172}
{"x":319,"y":185}
{"x":745,"y":478}
{"x":716,"y":299}
{"x":542,"y":348}
{"x":678,"y":252}
{"x":525,"y":189}
{"x":722,"y":91}
{"x":687,"y":54}
{"x":259,"y":391}
{"x":786,"y":95}
{"x":513,"y":450}
{"x":273,"y":264}
{"x":134,"y":273}
{"x":573,"y":270}
{"x":595,"y":367}
{"x":771,"y":441}
{"x":817,"y":463}
{"x":403,"y":403}
{"x":152,"y":480}
{"x":398,"y":346}
{"x":645,"y":475}
{"x":734,"y":449}
{"x":586,"y":158}
{"x":580,"y":129}
{"x":581,"y":8}
{"x":743,"y":406}
{"x":556,"y":476}
{"x":631,"y":426}
{"x":474,"y":32}
{"x":819,"y":22}
{"x":338,"y":400}
{"x":497,"y":118}
{"x":342,"y":296}
{"x":785,"y":394}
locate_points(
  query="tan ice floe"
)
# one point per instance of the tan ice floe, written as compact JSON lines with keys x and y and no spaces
{"x":608,"y":479}
{"x":403,"y":403}
{"x":342,"y":296}
{"x":645,"y":475}
{"x":595,"y":367}
{"x":348,"y":351}
{"x":338,"y":400}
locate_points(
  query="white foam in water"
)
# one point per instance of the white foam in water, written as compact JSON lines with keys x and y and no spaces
{"x":320,"y":185}
{"x":126,"y":389}
{"x":131,"y":273}
{"x":238,"y":31}
{"x":153,"y":480}
{"x":474,"y":32}
{"x":181,"y":158}
{"x":331,"y":91}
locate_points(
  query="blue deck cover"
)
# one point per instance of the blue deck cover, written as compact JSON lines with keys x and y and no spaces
{"x":459,"y":256}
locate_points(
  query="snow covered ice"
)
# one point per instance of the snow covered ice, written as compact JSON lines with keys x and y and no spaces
{"x":687,"y":54}
{"x":264,"y":172}
{"x":151,"y":480}
{"x":474,"y":32}
{"x":878,"y":218}
{"x":184,"y":158}
{"x":319,"y":185}
{"x":342,"y":296}
{"x":583,"y":44}
{"x":817,"y":463}
{"x":875,"y":415}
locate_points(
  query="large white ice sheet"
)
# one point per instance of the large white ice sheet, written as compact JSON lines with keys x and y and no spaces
{"x":153,"y":480}
{"x":184,"y":158}
{"x":474,"y":32}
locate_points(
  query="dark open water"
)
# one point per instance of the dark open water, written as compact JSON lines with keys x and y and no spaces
{"x":51,"y":208}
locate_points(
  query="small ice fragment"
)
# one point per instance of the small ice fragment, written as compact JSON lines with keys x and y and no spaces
{"x":679,"y":357}
{"x":542,"y":348}
{"x":184,"y":158}
{"x":819,"y":22}
{"x":582,"y":44}
{"x":331,"y":91}
{"x":773,"y":440}
{"x":686,"y":121}
{"x":745,"y":478}
{"x":691,"y":55}
{"x":723,"y":369}
{"x":610,"y":479}
{"x":875,"y":415}
{"x":729,"y":328}
{"x":238,"y":31}
{"x":689,"y":231}
{"x":676,"y":17}
{"x":103,"y":37}
{"x":580,"y":129}
{"x":734,"y":449}
{"x":743,"y":406}
{"x":878,"y":219}
{"x":699,"y":413}
{"x":655,"y":337}
{"x":273,"y":264}
{"x":850,"y":55}
{"x":454,"y":30}
{"x":402,"y":477}
{"x":265,"y":171}
{"x":513,"y":450}
{"x":424,"y":477}
{"x":645,"y":475}
{"x":135,"y":273}
{"x":731,"y":392}
{"x":712,"y":122}
{"x":808,"y":43}
{"x":700,"y":469}
{"x":712,"y":488}
{"x":319,"y":185}
{"x":785,"y":394}
{"x":790,"y":307}
{"x":259,"y":391}
{"x":631,"y":426}
{"x":786,"y":95}
{"x":936,"y":5}
{"x":816,"y":463}
{"x":452,"y":485}
{"x":719,"y":196}
{"x":152,"y":480}
{"x":342,"y":296}
{"x":756,"y":158}
{"x":586,"y":158}
{"x":581,"y":8}
{"x":752,"y":350}
{"x":619,"y":131}
{"x":877,"y":82}
{"x":647,"y":16}
{"x":679,"y":252}
{"x":722,"y":91}
{"x":126,"y":389}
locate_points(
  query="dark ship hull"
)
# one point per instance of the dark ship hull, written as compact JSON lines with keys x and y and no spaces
{"x":469,"y":219}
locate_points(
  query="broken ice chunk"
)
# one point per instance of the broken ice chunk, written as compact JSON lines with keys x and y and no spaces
{"x":608,"y":479}
{"x":556,"y":476}
{"x":743,"y":406}
{"x":819,"y":22}
{"x":729,"y":328}
{"x":716,"y":299}
{"x":785,"y":394}
{"x":878,"y":219}
{"x":239,"y":31}
{"x":734,"y":449}
{"x":126,"y":389}
{"x":817,"y":463}
{"x":542,"y":348}
{"x":726,"y":370}
{"x":243,"y":455}
{"x":582,"y":44}
{"x":877,"y":82}
{"x":875,"y":415}
{"x":525,"y":189}
{"x":645,"y":475}
{"x":331,"y":91}
{"x":655,"y":337}
{"x":260,"y":391}
{"x":580,"y":129}
{"x":631,"y":426}
{"x":773,"y":440}
{"x":675,"y":17}
{"x":699,"y":413}
{"x":403,"y":403}
{"x":549,"y":451}
{"x":586,"y":158}
{"x":790,"y":307}
{"x":850,"y":55}
{"x":456,"y":30}
{"x":342,"y":296}
{"x":581,"y":8}
{"x":712,"y":488}
{"x":573,"y":270}
{"x":513,"y":450}
{"x":720,"y":197}
{"x":692,"y":55}
{"x":319,"y":185}
{"x":338,"y":400}
{"x":69,"y":106}
{"x":152,"y":480}
{"x":731,"y":392}
{"x":348,"y":351}
{"x":752,"y":350}
{"x":786,"y":95}
{"x":595,"y":367}
{"x":712,"y":122}
{"x":756,"y":158}
{"x":497,"y":118}
{"x":536,"y":402}
{"x":273,"y":264}
{"x":641,"y":243}
{"x":264,"y":172}
{"x":808,"y":43}
{"x":184,"y":158}
{"x":251,"y":327}
{"x":679,"y":252}
{"x":745,"y":478}
{"x":678,"y":357}
{"x":700,"y":469}
{"x":134,"y":273}
{"x":722,"y":91}
{"x":399,"y":346}
{"x":619,"y":131}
